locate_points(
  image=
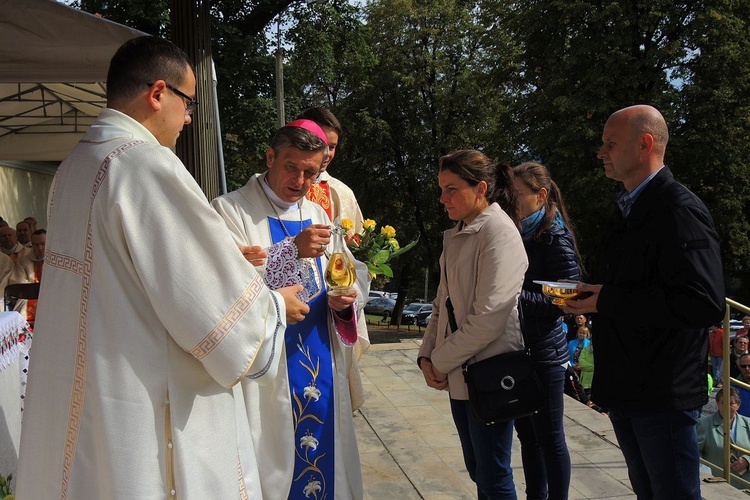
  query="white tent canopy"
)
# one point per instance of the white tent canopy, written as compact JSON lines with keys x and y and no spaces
{"x":53,"y":62}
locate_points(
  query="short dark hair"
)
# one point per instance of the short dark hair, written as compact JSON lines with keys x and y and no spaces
{"x":733,"y":394}
{"x":38,"y":232}
{"x":323,"y":117}
{"x":299,"y":138}
{"x":144,"y":60}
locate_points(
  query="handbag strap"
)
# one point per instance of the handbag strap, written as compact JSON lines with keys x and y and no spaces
{"x":451,"y":314}
{"x":454,"y":326}
{"x":449,"y":304}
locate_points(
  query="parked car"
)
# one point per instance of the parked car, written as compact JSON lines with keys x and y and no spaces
{"x":425,"y":321}
{"x":380,"y":306}
{"x":375,"y":294}
{"x":414,"y":312}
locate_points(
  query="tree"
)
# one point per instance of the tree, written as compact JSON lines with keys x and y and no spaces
{"x":151,"y":17}
{"x":246,"y":90}
{"x":330,"y":55}
{"x":581,"y":61}
{"x":711,"y":142}
{"x":411,"y":80}
{"x":421,"y":90}
{"x":246,"y":85}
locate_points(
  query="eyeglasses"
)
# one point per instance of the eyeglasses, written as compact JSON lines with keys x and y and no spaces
{"x":191,"y":103}
{"x":744,"y":366}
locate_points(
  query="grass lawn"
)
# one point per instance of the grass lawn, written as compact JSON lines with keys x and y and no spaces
{"x":375,"y":321}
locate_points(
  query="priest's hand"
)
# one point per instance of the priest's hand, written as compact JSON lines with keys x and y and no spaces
{"x":312,"y":241}
{"x":295,"y":308}
{"x":254,"y":254}
{"x":341,"y":302}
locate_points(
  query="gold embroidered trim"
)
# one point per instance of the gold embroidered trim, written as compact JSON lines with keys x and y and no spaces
{"x":64,"y":262}
{"x":79,"y":380}
{"x":229,"y":321}
{"x":243,"y":488}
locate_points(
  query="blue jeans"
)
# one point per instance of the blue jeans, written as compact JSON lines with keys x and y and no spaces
{"x":717,"y":362}
{"x":546,"y":461}
{"x":661,"y":451}
{"x":486,"y":450}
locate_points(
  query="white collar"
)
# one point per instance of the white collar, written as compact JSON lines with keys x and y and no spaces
{"x":284,"y":206}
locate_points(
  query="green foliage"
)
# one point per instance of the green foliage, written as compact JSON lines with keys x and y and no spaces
{"x":712,"y":151}
{"x":411,"y":80}
{"x":330,"y":53}
{"x":408,"y":83}
{"x":246,"y":90}
{"x":149,"y":16}
{"x":580,"y":62}
{"x":5,"y":490}
{"x":376,"y":249}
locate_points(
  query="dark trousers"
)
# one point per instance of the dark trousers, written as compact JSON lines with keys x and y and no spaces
{"x":661,"y":451}
{"x":486,"y":450}
{"x":546,"y":461}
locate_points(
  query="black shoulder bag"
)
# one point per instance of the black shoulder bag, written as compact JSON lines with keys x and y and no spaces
{"x":502,"y":387}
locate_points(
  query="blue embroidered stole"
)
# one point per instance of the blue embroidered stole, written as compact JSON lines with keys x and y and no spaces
{"x":312,"y":385}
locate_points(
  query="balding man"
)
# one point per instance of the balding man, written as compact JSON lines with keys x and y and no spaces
{"x":9,"y":243}
{"x":660,"y":287}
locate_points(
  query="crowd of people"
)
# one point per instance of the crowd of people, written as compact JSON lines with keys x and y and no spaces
{"x":222,"y":367}
{"x":711,"y":428}
{"x":21,"y":261}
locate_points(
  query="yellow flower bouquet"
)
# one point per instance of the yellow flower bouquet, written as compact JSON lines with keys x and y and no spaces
{"x":375,"y":249}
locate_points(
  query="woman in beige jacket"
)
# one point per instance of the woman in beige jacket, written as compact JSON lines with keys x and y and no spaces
{"x":482,"y":270}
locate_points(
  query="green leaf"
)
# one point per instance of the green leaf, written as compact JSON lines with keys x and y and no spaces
{"x":381,"y":257}
{"x":405,"y":249}
{"x":386,"y":269}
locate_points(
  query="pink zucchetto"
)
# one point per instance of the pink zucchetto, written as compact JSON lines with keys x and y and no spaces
{"x":310,"y":126}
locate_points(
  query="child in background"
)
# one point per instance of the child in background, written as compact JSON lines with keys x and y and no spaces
{"x":577,"y":346}
{"x":586,"y":364}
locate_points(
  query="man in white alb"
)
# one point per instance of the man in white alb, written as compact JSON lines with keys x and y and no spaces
{"x":307,"y":436}
{"x":139,"y":340}
{"x":339,"y":202}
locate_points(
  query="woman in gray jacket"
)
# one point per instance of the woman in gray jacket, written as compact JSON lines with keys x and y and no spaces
{"x":482,"y":270}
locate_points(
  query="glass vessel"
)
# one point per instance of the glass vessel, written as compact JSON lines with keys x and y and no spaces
{"x":340,"y":274}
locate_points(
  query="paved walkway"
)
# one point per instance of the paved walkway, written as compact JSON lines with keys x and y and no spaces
{"x":410,"y":450}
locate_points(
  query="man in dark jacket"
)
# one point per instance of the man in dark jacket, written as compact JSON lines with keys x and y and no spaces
{"x":661,"y":287}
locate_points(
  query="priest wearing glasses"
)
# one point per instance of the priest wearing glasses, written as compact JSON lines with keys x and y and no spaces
{"x":304,"y":425}
{"x":130,"y":391}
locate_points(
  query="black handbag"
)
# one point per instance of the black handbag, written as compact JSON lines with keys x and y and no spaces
{"x":502,"y":387}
